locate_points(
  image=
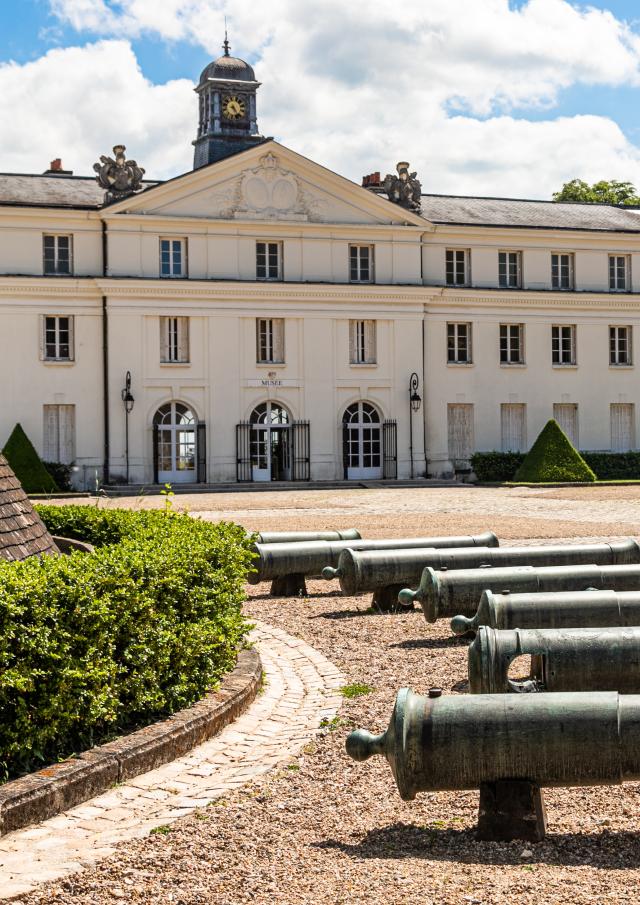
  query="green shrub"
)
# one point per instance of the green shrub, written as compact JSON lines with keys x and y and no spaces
{"x":614,"y":466}
{"x":553,"y":458}
{"x":496,"y":466}
{"x":93,"y":644}
{"x":61,"y":474}
{"x":27,"y":464}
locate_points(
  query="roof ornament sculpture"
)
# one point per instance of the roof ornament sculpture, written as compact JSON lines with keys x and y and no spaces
{"x":404,"y":189}
{"x":119,"y":177}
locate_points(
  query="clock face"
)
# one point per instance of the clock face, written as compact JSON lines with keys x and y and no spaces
{"x":233,"y":107}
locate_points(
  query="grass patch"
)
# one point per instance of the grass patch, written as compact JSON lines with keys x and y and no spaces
{"x":162,"y":830}
{"x":356,"y":690}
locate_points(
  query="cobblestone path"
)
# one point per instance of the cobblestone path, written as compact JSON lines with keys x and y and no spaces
{"x":301,"y":690}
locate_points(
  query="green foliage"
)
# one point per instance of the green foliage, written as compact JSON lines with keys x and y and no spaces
{"x":93,"y":644}
{"x":27,"y":464}
{"x":614,"y":466}
{"x":496,"y":466}
{"x":603,"y":192}
{"x":553,"y":458}
{"x":356,"y":690}
{"x":61,"y":475}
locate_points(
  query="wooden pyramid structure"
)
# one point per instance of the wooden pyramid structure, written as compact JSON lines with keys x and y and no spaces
{"x":22,"y":532}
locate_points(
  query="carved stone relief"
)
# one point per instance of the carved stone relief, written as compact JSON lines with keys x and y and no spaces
{"x":270,"y":193}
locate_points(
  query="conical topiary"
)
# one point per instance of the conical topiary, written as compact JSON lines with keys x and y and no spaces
{"x":553,"y":458}
{"x":27,"y":464}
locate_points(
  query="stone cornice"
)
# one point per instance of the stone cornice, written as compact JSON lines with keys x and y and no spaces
{"x":534,"y":299}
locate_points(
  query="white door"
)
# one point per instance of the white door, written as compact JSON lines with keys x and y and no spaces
{"x":460,"y":428}
{"x":176,"y":443}
{"x":363,"y":442}
{"x":270,"y":443}
{"x":513,"y":426}
{"x":622,"y":427}
{"x":566,"y":414}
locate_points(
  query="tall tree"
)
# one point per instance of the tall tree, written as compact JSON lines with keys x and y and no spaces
{"x":603,"y":192}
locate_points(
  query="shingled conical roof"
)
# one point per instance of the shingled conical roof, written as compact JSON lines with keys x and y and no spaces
{"x":22,"y":533}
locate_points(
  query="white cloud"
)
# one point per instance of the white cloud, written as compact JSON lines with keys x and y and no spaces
{"x":355,"y":86}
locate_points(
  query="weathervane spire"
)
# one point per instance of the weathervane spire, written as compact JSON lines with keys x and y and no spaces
{"x":226,"y":39}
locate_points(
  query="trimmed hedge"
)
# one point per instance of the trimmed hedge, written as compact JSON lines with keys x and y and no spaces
{"x":61,"y":475}
{"x":94,"y":644}
{"x":27,"y":464}
{"x":502,"y":466}
{"x":553,"y":458}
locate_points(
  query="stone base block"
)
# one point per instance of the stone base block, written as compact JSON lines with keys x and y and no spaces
{"x":511,"y":809}
{"x":289,"y":586}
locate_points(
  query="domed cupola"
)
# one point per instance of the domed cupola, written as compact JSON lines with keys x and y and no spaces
{"x":227,"y":111}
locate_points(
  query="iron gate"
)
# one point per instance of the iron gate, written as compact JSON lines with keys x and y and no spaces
{"x":389,"y":449}
{"x":243,"y":452}
{"x":201,"y":452}
{"x":300,"y":451}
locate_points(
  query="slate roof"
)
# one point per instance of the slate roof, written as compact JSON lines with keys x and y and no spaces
{"x":22,"y":532}
{"x":32,"y":190}
{"x":512,"y":212}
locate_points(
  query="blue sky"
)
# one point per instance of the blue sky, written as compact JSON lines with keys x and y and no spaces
{"x":484,"y":96}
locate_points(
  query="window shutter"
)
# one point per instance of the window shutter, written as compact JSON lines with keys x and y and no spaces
{"x":164,"y":339}
{"x":72,"y":354}
{"x":622,"y":427}
{"x":460,"y":425}
{"x":566,"y":414}
{"x":43,"y":323}
{"x":183,"y":339}
{"x":50,"y":448}
{"x":370,"y":341}
{"x":278,"y":339}
{"x":512,"y":416}
{"x":353,"y":328}
{"x":67,"y":427}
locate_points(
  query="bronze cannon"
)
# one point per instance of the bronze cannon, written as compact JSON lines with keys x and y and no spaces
{"x":592,"y":608}
{"x":296,"y":537}
{"x":572,"y":659}
{"x":457,"y":588}
{"x":509,"y":746}
{"x":287,"y":565}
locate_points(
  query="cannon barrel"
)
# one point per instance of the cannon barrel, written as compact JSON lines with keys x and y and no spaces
{"x":592,"y":608}
{"x":574,"y":659}
{"x":296,"y":537}
{"x":545,"y":568}
{"x":309,"y":558}
{"x":463,"y":741}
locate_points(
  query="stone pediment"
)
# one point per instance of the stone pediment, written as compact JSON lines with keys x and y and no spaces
{"x":265,"y":184}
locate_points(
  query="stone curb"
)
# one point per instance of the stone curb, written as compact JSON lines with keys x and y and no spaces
{"x":59,"y":787}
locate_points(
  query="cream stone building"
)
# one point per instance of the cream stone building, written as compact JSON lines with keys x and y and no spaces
{"x":260,"y":318}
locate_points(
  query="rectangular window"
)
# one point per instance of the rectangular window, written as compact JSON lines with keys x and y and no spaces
{"x":562,"y":271}
{"x":563,"y":344}
{"x":361,"y":263}
{"x":459,"y":343}
{"x":623,"y":426}
{"x":619,"y":273}
{"x":57,"y":254}
{"x":460,"y":434}
{"x":513,"y":424}
{"x":509,"y":269}
{"x":174,"y":340}
{"x":270,"y":340}
{"x":457,"y":261}
{"x":566,"y":414}
{"x":173,"y":257}
{"x":268,"y":260}
{"x":57,"y":338}
{"x":511,"y":344}
{"x":620,"y":346}
{"x":362,"y":342}
{"x":59,"y":433}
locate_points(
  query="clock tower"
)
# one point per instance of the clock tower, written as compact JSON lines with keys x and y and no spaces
{"x":227,"y":111}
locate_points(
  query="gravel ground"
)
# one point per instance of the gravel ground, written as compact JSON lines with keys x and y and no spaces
{"x":328,"y":830}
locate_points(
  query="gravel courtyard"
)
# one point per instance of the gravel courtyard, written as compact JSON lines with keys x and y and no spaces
{"x":327,"y":830}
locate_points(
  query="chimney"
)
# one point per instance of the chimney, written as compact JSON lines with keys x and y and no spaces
{"x":371,"y":181}
{"x":56,"y":169}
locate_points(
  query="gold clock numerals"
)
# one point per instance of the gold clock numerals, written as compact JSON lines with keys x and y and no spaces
{"x":233,"y":107}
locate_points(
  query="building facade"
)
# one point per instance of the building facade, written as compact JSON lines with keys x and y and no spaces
{"x":260,"y":317}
